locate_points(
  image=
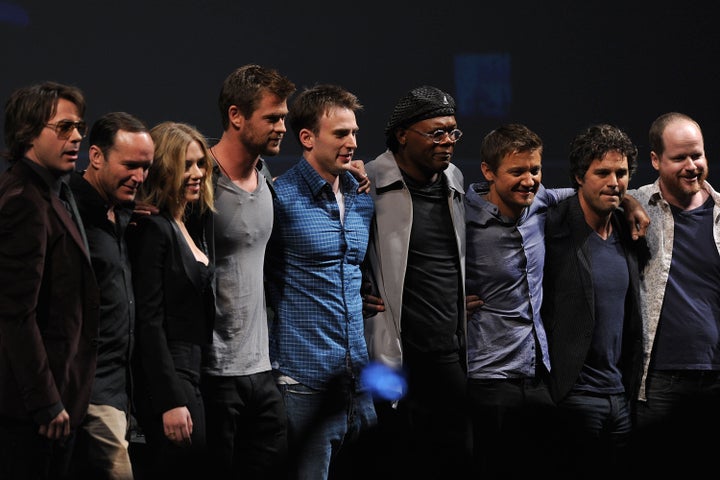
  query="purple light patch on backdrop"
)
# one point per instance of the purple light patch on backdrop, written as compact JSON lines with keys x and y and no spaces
{"x":14,"y":15}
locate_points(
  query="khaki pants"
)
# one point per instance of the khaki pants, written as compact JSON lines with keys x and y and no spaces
{"x":106,"y":428}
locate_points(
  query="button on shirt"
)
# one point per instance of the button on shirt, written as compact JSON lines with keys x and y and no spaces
{"x":504,"y":264}
{"x":313,"y":268}
{"x":109,"y":255}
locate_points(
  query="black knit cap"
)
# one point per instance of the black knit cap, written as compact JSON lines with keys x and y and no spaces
{"x":419,"y":104}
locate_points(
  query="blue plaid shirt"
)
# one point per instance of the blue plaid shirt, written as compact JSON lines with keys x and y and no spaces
{"x":313,"y":273}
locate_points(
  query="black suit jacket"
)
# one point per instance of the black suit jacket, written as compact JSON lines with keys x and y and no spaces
{"x":568,"y":309}
{"x":49,"y":304}
{"x":172,"y":305}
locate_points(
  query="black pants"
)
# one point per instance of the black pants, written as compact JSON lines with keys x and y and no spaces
{"x":26,"y":455}
{"x":677,"y":426}
{"x":165,"y":459}
{"x":246,"y":425}
{"x":428,"y":434}
{"x":513,"y":427}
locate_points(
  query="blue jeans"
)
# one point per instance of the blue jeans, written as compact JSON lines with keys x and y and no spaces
{"x":320,"y":423}
{"x":597,"y":433}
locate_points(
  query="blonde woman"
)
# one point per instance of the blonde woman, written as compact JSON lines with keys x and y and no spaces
{"x":172,"y":275}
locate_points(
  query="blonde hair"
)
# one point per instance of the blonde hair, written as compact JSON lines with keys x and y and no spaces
{"x":163,"y":187}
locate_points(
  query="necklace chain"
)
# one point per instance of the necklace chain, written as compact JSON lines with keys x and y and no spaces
{"x":212,"y":152}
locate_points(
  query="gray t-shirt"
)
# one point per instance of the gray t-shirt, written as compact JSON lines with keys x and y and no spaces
{"x":243,"y":224}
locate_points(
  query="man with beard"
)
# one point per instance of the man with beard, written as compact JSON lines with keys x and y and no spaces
{"x":591,"y":308}
{"x":49,"y":297}
{"x":415,"y":269}
{"x":680,"y":293}
{"x":246,"y":426}
{"x":508,"y":352}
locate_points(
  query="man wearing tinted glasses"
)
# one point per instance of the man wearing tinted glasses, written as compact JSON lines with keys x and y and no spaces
{"x":49,"y":296}
{"x":416,"y":262}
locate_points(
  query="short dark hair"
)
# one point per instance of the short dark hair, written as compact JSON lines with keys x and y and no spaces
{"x":312,"y":103}
{"x":507,"y":139}
{"x":105,"y":128}
{"x":29,"y":109}
{"x":244,"y":87}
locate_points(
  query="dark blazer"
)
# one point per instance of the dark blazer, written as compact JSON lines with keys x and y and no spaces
{"x":49,"y":304}
{"x":568,"y":308}
{"x":172,"y":305}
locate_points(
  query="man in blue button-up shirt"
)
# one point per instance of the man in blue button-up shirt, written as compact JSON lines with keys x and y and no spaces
{"x":507,"y":346}
{"x":320,"y":235}
{"x":508,"y":359}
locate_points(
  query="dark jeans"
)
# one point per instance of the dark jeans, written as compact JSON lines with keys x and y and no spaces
{"x":595,"y":436}
{"x":428,"y":435}
{"x":681,"y":412}
{"x":513,"y":427}
{"x":246,"y":425}
{"x":25,"y":455}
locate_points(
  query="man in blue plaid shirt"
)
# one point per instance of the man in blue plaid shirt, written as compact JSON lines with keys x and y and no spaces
{"x":320,"y":235}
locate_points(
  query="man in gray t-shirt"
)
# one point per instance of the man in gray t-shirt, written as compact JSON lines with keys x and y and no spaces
{"x":246,"y":421}
{"x":243,"y":225}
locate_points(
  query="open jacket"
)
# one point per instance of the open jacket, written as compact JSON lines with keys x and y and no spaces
{"x":173,"y":305}
{"x":387,"y":254}
{"x":568,"y":309}
{"x":49,"y":304}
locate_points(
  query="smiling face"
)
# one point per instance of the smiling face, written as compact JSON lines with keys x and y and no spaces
{"x":682,"y":165}
{"x":195,"y":171}
{"x":515,"y":182}
{"x":49,"y":149}
{"x":117,"y":174}
{"x":331,"y":149}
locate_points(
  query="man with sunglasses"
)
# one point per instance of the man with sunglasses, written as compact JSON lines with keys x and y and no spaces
{"x":49,"y":297}
{"x":415,"y":264}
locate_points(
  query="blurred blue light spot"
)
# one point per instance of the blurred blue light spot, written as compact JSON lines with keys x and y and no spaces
{"x":384,"y":382}
{"x":483,"y":84}
{"x":13,"y":14}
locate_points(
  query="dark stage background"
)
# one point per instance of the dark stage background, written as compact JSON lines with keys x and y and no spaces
{"x":555,"y":66}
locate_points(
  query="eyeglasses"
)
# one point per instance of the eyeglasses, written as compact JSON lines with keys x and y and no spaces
{"x":64,"y":128}
{"x":439,"y":135}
